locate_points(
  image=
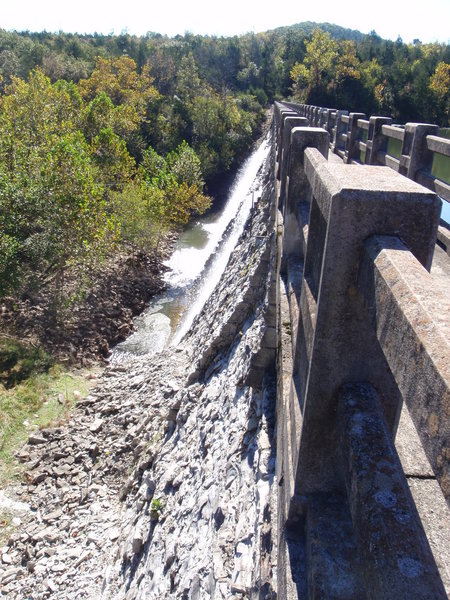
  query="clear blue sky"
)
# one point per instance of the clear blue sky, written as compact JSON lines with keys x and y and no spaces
{"x":428,"y":21}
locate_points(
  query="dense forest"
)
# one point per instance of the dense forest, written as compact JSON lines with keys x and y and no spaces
{"x":107,"y":142}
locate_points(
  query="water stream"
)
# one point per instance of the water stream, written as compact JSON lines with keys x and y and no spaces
{"x":195,"y":267}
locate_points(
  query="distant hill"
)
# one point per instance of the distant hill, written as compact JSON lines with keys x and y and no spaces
{"x":336,"y":31}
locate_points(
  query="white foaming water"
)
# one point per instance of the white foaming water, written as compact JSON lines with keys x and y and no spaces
{"x":195,"y":270}
{"x":235,"y":213}
{"x":186,"y":264}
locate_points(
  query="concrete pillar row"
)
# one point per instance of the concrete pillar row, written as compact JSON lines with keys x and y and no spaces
{"x":336,"y":342}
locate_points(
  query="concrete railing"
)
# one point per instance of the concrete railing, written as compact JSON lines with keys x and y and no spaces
{"x":363,"y":329}
{"x":367,"y":140}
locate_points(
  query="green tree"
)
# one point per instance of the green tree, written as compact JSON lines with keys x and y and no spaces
{"x":52,"y":207}
{"x":76,"y":224}
{"x":321,"y":53}
{"x":138,"y":208}
{"x":312,"y":76}
{"x":180,"y":180}
{"x":440,"y":87}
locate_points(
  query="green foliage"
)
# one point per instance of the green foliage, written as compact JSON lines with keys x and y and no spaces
{"x":185,"y":67}
{"x":440,"y":86}
{"x":374,"y":76}
{"x":9,"y":261}
{"x":179,"y":178}
{"x":163,"y":195}
{"x":109,"y":139}
{"x":19,"y":361}
{"x":152,"y":164}
{"x":52,"y":201}
{"x":156,"y":508}
{"x":137,"y":210}
{"x":321,"y":53}
{"x":185,"y":166}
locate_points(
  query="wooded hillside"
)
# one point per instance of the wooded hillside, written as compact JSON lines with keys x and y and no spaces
{"x":106,"y":142}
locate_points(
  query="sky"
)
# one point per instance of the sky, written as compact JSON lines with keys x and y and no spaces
{"x":415,"y":19}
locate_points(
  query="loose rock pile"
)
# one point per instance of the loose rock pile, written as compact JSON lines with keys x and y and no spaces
{"x":161,"y":484}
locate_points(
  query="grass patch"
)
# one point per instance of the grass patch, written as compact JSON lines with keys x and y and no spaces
{"x":18,"y":361}
{"x":6,"y":527}
{"x":34,"y":393}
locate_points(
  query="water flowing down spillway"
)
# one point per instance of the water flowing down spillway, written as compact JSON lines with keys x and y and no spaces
{"x":195,"y":267}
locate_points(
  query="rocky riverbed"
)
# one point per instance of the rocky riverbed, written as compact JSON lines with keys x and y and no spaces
{"x":162,"y":483}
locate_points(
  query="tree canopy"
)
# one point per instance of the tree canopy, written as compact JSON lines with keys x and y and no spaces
{"x":107,"y":141}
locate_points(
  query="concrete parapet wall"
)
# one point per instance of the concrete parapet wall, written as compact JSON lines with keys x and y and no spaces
{"x":360,"y":312}
{"x":410,"y":316}
{"x":365,"y":140}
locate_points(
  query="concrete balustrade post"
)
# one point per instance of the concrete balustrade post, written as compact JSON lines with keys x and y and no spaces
{"x":317,"y":111}
{"x":295,"y":224}
{"x":338,"y":130}
{"x":282,"y":114}
{"x":323,"y":115}
{"x":354,"y":136}
{"x":289,"y":122}
{"x":329,"y":123}
{"x":376,"y":141}
{"x":336,"y":342}
{"x":415,"y":156}
{"x":297,"y":196}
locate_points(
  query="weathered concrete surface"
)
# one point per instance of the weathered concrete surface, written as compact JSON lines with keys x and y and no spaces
{"x":409,"y":448}
{"x":291,"y":563}
{"x":289,"y":123}
{"x":354,"y":135}
{"x":295,"y":188}
{"x":440,"y":268}
{"x":298,"y":504}
{"x":349,"y":204}
{"x":392,"y":544}
{"x":376,"y":141}
{"x":435,"y":517}
{"x":302,"y":138}
{"x":334,"y":568}
{"x":410,"y":315}
{"x":415,"y":154}
{"x":428,"y":497}
{"x":444,"y":238}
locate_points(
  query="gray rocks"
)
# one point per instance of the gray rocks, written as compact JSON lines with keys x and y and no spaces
{"x":96,"y":426}
{"x":162,"y":479}
{"x":36,"y":439}
{"x":137,"y":545}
